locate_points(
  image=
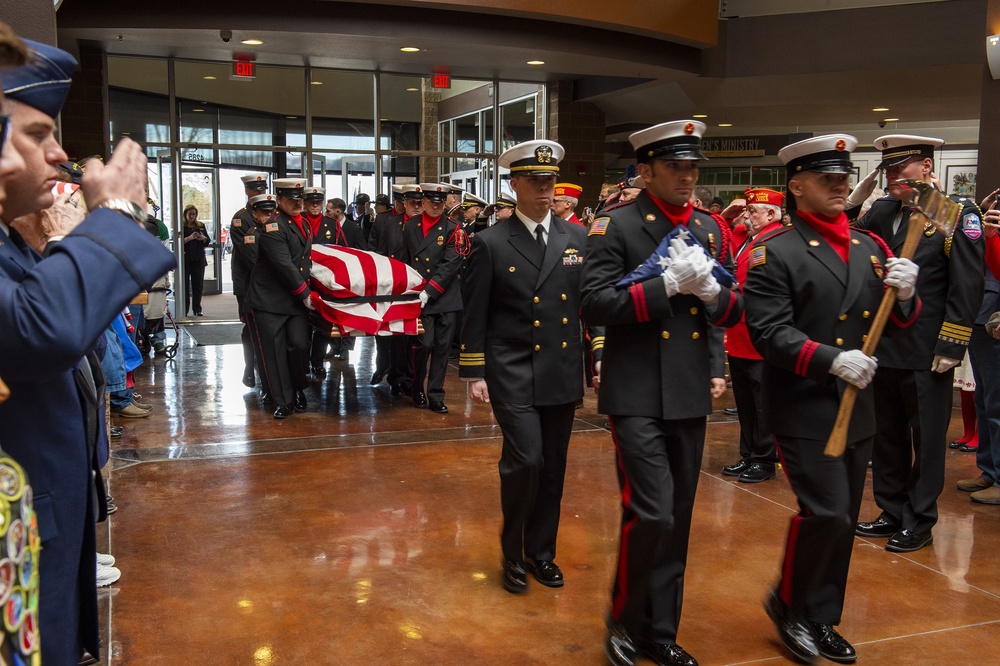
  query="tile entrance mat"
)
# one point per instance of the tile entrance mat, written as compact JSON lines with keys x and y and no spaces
{"x":214,"y":334}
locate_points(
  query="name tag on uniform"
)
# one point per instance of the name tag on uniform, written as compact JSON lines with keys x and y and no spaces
{"x":249,"y":240}
{"x":273,"y":226}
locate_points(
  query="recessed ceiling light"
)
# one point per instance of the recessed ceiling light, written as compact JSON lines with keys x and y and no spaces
{"x":209,"y":78}
{"x":252,"y":42}
{"x":725,"y":124}
{"x":316,"y":83}
{"x":700,"y":115}
{"x":892,"y":120}
{"x":536,"y":62}
{"x":291,"y":117}
{"x":412,"y":89}
{"x":198,"y":110}
{"x":880,"y":109}
{"x":410,"y":49}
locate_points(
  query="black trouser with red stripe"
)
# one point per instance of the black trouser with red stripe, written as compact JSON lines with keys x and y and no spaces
{"x":659,"y":462}
{"x":284,"y":342}
{"x":433,"y":344}
{"x":821,"y":537}
{"x":251,"y":345}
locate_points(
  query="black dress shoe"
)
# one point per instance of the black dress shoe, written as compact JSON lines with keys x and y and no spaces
{"x":419,"y":399}
{"x":546,"y":572}
{"x":379,"y":375}
{"x":795,"y":634}
{"x":438,"y":407}
{"x":266,"y":398}
{"x":905,"y":541}
{"x":619,"y":647}
{"x":832,"y":645}
{"x":318,"y":370}
{"x":300,"y":401}
{"x":757,"y":472}
{"x":883,"y":526}
{"x":248,"y":379}
{"x":284,"y":411}
{"x":667,"y":654}
{"x":514,"y":577}
{"x":955,"y":445}
{"x":732,"y":411}
{"x":737,"y":468}
{"x":397,"y":391}
{"x":968,"y":448}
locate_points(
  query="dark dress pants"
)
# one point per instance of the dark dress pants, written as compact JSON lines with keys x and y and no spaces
{"x":756,"y":443}
{"x":432,"y":348}
{"x":284,"y":342}
{"x":821,"y":537}
{"x":913,"y":411}
{"x":195,"y":274}
{"x":532,"y":468}
{"x":659,"y":463}
{"x":401,"y":362}
{"x":251,"y":345}
{"x":984,"y":351}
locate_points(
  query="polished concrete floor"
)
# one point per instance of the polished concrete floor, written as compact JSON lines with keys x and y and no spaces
{"x":366,"y":532}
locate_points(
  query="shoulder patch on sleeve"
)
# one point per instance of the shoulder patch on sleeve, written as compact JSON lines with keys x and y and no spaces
{"x":758,"y":257}
{"x":599,"y":226}
{"x":237,"y":222}
{"x":972,"y":226}
{"x":271,"y":226}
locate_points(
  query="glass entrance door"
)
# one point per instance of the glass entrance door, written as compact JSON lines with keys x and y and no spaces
{"x":200,"y":188}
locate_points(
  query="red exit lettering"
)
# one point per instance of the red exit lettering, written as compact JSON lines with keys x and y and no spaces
{"x":441,"y":81}
{"x":243,"y":69}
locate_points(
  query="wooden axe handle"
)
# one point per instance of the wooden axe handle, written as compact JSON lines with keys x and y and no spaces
{"x":837,"y":443}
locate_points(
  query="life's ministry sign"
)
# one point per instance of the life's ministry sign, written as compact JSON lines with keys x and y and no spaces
{"x":743,"y":146}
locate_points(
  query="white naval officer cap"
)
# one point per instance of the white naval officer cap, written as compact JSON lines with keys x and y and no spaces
{"x":533,"y":158}
{"x":897,"y":148}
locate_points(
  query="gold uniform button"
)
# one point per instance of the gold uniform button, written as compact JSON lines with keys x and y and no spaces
{"x":427,"y":258}
{"x":538,"y":347}
{"x":840,"y":342}
{"x":694,"y":310}
{"x":843,"y":317}
{"x":866,"y":314}
{"x":511,"y":269}
{"x":564,"y":297}
{"x":565,"y":321}
{"x":695,"y":335}
{"x":428,"y":270}
{"x":535,"y":299}
{"x":537,"y":323}
{"x":565,"y":345}
{"x":665,"y":335}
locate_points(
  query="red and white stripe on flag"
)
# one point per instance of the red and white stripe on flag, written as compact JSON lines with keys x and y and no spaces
{"x":343,"y":272}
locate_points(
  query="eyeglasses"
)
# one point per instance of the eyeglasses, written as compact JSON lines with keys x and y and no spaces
{"x":4,"y":129}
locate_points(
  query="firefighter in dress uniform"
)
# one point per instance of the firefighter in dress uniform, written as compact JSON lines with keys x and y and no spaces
{"x":279,"y":296}
{"x":243,"y":236}
{"x":661,"y":368}
{"x":521,"y":353}
{"x":811,"y":292}
{"x":435,"y":247}
{"x":913,"y":385}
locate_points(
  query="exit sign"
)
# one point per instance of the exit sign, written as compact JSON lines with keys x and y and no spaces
{"x":243,"y":69}
{"x":441,"y":80}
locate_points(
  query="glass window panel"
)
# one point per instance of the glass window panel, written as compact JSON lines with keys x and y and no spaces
{"x":197,"y":122}
{"x":237,"y":126}
{"x":332,"y":134}
{"x":343,"y":106}
{"x":517,"y":120}
{"x":741,"y":176}
{"x":145,"y":117}
{"x":344,"y":175}
{"x":275,"y":91}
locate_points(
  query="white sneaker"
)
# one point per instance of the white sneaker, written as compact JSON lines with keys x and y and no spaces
{"x":107,"y":575}
{"x":106,"y":560}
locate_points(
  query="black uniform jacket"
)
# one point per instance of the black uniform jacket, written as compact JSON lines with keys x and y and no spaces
{"x":657,"y":357}
{"x":243,"y":233}
{"x":521,"y":325}
{"x":950,"y":284}
{"x":804,"y":306}
{"x":350,"y":234}
{"x":437,"y":260}
{"x":279,"y":281}
{"x":387,"y":235}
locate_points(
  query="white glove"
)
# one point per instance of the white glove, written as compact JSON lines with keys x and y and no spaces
{"x":307,"y":301}
{"x":685,"y":268}
{"x":707,"y":288}
{"x":854,"y":367}
{"x":943,"y":363}
{"x":423,"y":298}
{"x":863,"y":190}
{"x":903,"y":276}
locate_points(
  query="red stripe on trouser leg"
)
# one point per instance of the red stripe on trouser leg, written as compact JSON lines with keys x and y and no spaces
{"x":620,"y":595}
{"x":788,"y":566}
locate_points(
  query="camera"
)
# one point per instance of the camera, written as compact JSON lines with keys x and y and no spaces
{"x":881,"y":123}
{"x":226,"y":35}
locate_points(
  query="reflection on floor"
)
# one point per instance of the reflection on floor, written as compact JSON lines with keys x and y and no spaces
{"x":366,"y":531}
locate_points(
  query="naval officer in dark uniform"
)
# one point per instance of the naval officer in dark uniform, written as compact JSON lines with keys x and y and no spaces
{"x":661,"y":364}
{"x":279,"y":295}
{"x":811,"y":291}
{"x":434,"y":246}
{"x":387,"y":240}
{"x":243,"y":236}
{"x":521,"y":352}
{"x":913,"y":385}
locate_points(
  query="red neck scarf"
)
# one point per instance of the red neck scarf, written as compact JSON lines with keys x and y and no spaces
{"x":297,"y":219}
{"x":676,"y":214}
{"x":427,"y":223}
{"x":834,"y":230}
{"x":314,"y":222}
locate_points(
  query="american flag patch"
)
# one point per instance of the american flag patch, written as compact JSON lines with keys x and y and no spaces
{"x":758,"y":257}
{"x":273,"y":226}
{"x":599,"y":226}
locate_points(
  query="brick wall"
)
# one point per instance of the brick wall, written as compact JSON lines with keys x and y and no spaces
{"x":580,"y":128}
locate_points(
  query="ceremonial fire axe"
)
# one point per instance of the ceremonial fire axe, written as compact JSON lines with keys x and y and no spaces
{"x":929,"y":205}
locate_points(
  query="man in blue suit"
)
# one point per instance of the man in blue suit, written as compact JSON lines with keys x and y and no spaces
{"x":52,"y":312}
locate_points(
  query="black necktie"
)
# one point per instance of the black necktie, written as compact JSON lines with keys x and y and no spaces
{"x":540,"y":237}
